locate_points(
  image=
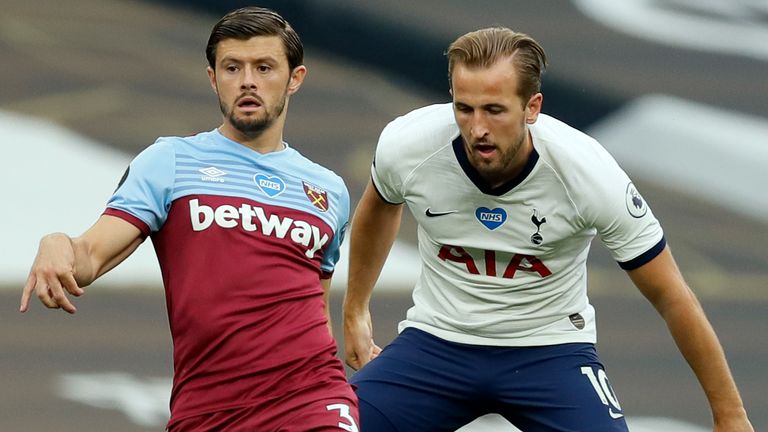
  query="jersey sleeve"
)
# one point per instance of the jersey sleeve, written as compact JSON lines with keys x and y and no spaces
{"x":144,"y":193}
{"x":331,"y":255}
{"x":624,"y":222}
{"x":386,"y":177}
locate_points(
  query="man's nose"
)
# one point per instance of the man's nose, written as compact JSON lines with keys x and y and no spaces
{"x":249,"y":79}
{"x":478,"y":129}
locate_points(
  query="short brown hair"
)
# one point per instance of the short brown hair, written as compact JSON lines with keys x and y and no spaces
{"x":248,"y":22}
{"x":482,"y":48}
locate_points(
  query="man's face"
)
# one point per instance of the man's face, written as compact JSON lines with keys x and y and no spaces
{"x":493,"y":118}
{"x":253,"y":80}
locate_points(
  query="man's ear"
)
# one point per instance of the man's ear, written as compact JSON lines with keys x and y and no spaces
{"x":297,"y":78}
{"x":533,"y":108}
{"x":212,"y":79}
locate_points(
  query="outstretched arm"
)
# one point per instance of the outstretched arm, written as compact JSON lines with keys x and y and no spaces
{"x":64,"y":265}
{"x":662,"y":284}
{"x":373,"y":231}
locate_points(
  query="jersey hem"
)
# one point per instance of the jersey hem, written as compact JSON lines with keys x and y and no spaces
{"x":250,"y":403}
{"x":587,"y":335}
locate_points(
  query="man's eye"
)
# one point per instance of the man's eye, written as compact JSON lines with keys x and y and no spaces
{"x":264,"y":68}
{"x":232,"y":68}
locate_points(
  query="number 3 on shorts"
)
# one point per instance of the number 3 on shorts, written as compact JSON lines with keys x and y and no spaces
{"x":344,"y":414}
{"x":604,"y":391}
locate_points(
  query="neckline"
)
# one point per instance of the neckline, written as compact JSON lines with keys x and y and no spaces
{"x":247,"y":150}
{"x":479,"y":181}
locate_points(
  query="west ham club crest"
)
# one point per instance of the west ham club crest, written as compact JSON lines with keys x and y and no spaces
{"x":318,"y":197}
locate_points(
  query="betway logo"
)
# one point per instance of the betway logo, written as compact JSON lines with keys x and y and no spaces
{"x":252,"y":218}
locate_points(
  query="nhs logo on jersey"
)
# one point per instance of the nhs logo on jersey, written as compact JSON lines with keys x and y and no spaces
{"x":270,"y":185}
{"x":491,"y":218}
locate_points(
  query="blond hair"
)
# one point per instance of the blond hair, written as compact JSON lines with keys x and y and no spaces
{"x":482,"y":48}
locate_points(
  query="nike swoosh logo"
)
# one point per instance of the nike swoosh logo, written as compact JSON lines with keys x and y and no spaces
{"x":430,"y":213}
{"x":614,"y":415}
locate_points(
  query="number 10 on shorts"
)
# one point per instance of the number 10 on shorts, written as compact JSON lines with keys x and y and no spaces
{"x":603,"y":389}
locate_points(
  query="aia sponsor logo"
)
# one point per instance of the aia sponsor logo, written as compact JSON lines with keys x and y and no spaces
{"x":489,"y":264}
{"x":317,"y":196}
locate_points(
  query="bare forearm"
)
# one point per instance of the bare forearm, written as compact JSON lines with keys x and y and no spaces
{"x":374,"y":228}
{"x":89,"y":266}
{"x":368,"y":253}
{"x":701,"y":348}
{"x":108,"y":263}
{"x":105,"y":245}
{"x":83,"y":265}
{"x":64,"y":265}
{"x":663,"y":285}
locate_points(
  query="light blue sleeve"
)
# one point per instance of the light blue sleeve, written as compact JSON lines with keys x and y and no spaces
{"x":146,"y":188}
{"x":331,"y":256}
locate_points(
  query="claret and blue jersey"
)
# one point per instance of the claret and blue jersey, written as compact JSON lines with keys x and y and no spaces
{"x":242,"y":239}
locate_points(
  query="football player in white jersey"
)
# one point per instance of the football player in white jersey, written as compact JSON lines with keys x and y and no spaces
{"x":507,"y":200}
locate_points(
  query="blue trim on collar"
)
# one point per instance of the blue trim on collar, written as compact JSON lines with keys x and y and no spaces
{"x":479,"y":181}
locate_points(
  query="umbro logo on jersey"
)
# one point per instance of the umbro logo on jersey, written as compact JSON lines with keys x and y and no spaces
{"x":212,"y":174}
{"x":317,"y":196}
{"x":270,"y":185}
{"x":430,"y":213}
{"x":492,"y":219}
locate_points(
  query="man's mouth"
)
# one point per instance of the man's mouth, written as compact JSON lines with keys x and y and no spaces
{"x":249,"y":103}
{"x":484,"y":149}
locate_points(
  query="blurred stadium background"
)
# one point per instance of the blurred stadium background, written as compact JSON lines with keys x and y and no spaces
{"x":675,"y":89}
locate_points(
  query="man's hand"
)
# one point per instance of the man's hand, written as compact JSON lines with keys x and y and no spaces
{"x":52,"y":275}
{"x":359,"y":347}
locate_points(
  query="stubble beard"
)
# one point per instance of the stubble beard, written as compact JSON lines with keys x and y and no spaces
{"x":253,"y":126}
{"x":500,"y":170}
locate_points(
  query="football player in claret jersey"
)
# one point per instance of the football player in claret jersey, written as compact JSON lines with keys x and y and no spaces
{"x":507,"y":201}
{"x":247,"y":232}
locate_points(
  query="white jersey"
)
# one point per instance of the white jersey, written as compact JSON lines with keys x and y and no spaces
{"x":506,"y":266}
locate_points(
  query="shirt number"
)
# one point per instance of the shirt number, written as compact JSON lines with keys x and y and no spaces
{"x":345,"y":414}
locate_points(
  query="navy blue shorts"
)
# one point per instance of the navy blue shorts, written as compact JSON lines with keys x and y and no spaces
{"x":423,"y":383}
